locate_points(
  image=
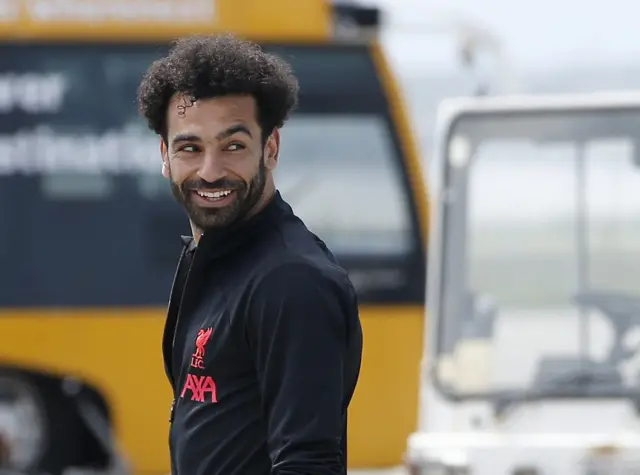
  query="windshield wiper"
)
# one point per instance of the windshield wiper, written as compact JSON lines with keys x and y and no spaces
{"x":623,"y":313}
{"x":564,"y":384}
{"x":581,"y":378}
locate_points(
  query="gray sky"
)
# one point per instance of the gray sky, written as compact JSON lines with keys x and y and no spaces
{"x":541,"y":34}
{"x":550,"y":46}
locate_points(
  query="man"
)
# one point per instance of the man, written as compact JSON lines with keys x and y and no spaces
{"x":263,"y":342}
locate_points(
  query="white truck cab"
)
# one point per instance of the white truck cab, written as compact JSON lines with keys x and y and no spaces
{"x":532,"y":363}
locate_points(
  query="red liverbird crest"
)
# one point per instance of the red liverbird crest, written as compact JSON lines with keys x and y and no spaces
{"x":197,"y":358}
{"x":201,"y":342}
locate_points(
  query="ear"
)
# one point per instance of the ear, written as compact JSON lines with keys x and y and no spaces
{"x":164,"y":152}
{"x":272,"y":150}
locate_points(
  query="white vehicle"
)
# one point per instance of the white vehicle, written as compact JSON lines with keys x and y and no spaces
{"x":533,"y":364}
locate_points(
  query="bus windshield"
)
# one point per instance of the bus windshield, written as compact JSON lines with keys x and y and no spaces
{"x":540,"y":289}
{"x":88,"y":220}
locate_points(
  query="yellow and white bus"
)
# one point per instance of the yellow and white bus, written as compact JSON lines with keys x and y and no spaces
{"x":90,"y":232}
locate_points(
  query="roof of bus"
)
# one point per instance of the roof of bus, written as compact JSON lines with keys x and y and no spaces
{"x":162,"y":20}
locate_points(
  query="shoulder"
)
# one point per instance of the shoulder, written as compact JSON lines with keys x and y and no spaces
{"x":301,"y":276}
{"x":292,"y":252}
{"x":301,"y":292}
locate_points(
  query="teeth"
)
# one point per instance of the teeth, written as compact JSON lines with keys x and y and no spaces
{"x":216,"y":195}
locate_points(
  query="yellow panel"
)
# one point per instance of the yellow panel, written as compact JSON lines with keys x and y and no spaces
{"x":408,"y":144}
{"x":162,"y":20}
{"x":120,"y":354}
{"x":384,"y":409}
{"x":393,"y":358}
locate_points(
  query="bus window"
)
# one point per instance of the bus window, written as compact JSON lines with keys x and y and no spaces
{"x":94,"y":221}
{"x":344,"y":188}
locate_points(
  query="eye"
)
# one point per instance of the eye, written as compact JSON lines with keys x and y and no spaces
{"x":189,"y":148}
{"x":235,"y":147}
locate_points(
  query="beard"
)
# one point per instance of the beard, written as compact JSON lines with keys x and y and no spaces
{"x":247,"y":196}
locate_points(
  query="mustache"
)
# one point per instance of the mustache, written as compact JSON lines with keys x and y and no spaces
{"x":221,"y":183}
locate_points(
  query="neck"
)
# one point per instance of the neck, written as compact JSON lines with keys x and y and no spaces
{"x":265,"y":199}
{"x":196,"y":232}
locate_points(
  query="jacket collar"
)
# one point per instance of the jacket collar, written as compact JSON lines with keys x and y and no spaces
{"x":217,"y":243}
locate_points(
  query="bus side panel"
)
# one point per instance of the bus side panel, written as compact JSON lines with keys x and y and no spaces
{"x":119,"y":354}
{"x":383,"y":410}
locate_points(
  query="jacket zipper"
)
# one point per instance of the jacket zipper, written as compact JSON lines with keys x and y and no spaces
{"x":180,"y":308}
{"x":185,"y":250}
{"x":171,"y":292}
{"x":174,"y":403}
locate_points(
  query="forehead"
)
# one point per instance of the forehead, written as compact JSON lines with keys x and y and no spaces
{"x":211,"y":114}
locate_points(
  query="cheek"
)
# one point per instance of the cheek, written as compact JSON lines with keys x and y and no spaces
{"x":181,"y":171}
{"x":245,"y":168}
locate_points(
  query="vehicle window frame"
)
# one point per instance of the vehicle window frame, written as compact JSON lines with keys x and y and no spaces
{"x":411,"y":266}
{"x":439,"y":347}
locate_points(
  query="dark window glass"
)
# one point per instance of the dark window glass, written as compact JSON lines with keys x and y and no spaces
{"x":87,"y":219}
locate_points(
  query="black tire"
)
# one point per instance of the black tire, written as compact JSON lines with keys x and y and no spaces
{"x":67,"y":442}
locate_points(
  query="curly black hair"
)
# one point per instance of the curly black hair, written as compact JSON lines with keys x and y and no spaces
{"x":206,"y":66}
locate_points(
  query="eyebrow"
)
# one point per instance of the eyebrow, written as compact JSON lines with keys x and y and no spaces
{"x":234,"y":129}
{"x":185,"y":138}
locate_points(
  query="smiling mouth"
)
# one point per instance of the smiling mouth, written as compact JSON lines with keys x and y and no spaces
{"x":213,"y":196}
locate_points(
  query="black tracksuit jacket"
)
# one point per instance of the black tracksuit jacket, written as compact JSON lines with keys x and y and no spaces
{"x":262,"y":347}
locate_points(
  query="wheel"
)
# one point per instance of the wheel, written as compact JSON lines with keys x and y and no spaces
{"x":24,"y":432}
{"x":43,"y":429}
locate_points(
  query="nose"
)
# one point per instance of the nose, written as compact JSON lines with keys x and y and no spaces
{"x":211,"y":169}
